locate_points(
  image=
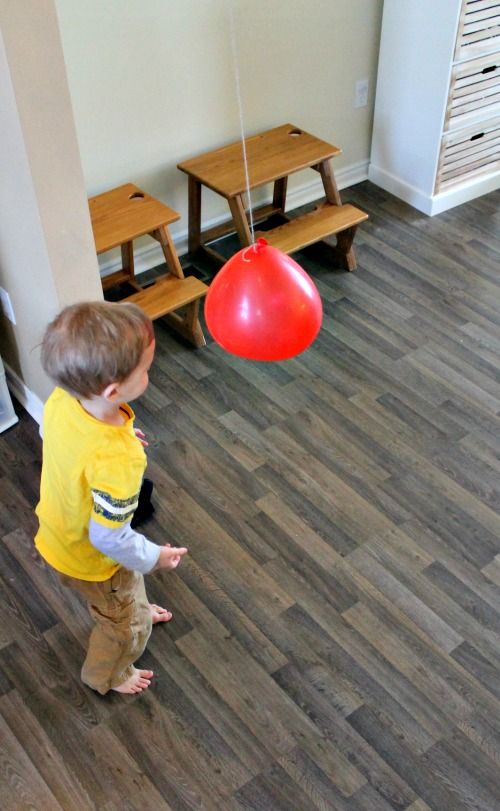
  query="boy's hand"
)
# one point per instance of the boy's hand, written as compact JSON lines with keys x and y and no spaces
{"x":141,"y":436}
{"x":170,"y":556}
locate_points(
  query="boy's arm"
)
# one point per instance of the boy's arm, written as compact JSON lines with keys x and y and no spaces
{"x":124,"y":545}
{"x":114,"y":484}
{"x":132,"y":549}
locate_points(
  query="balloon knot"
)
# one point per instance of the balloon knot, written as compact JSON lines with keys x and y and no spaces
{"x":254,"y":248}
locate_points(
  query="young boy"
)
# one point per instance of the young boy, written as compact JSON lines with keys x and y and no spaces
{"x":99,"y":355}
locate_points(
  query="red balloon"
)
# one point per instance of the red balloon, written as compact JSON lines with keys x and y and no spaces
{"x":262,"y":306}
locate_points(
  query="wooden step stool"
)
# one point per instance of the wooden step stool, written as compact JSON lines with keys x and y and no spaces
{"x":123,"y":214}
{"x":272,"y":157}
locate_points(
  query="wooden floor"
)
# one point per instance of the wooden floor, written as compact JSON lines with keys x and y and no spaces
{"x":337,"y":622}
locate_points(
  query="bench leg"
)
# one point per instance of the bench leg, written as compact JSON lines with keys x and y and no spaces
{"x":193,"y":324}
{"x":279,"y":193}
{"x":163,"y":236}
{"x":329,"y":183}
{"x":128,"y":267}
{"x":240,"y":220}
{"x":344,"y":249}
{"x":188,"y":325}
{"x":194,"y":209}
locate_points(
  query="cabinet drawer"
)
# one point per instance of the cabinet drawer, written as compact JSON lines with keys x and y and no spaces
{"x":468,"y":153}
{"x":474,"y":91}
{"x":478,"y":29}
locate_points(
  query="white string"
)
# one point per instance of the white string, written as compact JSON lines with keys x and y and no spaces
{"x":240,"y":112}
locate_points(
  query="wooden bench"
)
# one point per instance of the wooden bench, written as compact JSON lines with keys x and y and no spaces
{"x":120,"y":216}
{"x":272,"y":157}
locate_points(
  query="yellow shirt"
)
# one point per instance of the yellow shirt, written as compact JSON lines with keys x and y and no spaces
{"x":90,"y":470}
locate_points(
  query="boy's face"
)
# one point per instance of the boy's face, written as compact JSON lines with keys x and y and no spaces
{"x":137,"y":382}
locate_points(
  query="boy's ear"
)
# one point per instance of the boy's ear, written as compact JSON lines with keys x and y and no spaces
{"x":110,"y":393}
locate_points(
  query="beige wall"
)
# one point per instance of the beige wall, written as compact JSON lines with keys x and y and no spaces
{"x":153,"y":82}
{"x":47,"y":256}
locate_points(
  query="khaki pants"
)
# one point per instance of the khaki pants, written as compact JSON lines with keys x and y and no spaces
{"x":122,"y":628}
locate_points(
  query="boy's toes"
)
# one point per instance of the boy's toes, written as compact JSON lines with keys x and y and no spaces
{"x":138,"y":681}
{"x":159,"y":614}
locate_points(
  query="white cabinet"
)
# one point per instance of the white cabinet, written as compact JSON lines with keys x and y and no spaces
{"x":436,"y":131}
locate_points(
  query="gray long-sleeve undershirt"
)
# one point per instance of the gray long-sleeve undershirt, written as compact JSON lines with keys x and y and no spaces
{"x":124,"y":545}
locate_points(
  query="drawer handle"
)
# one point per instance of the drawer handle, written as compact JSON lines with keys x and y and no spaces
{"x":476,"y":137}
{"x":490,"y":69}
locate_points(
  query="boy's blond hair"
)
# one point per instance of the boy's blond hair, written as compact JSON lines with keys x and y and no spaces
{"x":92,"y":344}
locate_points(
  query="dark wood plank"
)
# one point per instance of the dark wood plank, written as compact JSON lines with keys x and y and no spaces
{"x":44,"y":756}
{"x":22,"y":785}
{"x":443,"y":794}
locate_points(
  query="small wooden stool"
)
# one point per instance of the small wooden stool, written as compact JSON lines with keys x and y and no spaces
{"x":272,"y":157}
{"x":123,"y":214}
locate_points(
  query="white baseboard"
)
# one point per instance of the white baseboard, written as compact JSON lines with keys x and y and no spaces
{"x":24,"y":395}
{"x":399,"y":188}
{"x":151,"y":255}
{"x":473,"y":188}
{"x":433,"y":204}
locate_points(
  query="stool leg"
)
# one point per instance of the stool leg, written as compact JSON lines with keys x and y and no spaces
{"x":194,"y":221}
{"x":344,"y":251}
{"x":188,"y":325}
{"x":240,"y":220}
{"x":279,"y":193}
{"x":127,"y":250}
{"x":163,"y":236}
{"x":329,"y":183}
{"x":193,"y":324}
{"x":344,"y":240}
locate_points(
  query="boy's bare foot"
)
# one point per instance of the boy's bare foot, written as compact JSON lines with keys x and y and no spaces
{"x":159,"y":614}
{"x":138,"y":681}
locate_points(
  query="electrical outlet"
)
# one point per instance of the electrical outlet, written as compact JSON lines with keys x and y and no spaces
{"x":361,"y":93}
{"x":7,"y":305}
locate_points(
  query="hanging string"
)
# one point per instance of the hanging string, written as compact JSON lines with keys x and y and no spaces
{"x":240,"y":112}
